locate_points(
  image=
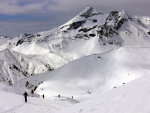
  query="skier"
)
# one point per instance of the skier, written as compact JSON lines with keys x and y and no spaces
{"x":58,"y":96}
{"x":88,"y":92}
{"x":32,"y":92}
{"x":25,"y":96}
{"x":114,"y":87}
{"x":43,"y":96}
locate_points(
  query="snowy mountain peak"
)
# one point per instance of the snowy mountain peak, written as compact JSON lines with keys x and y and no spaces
{"x":115,"y":21}
{"x":88,"y":12}
{"x":119,"y":17}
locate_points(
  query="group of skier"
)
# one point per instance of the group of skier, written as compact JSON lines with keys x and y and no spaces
{"x":32,"y":92}
{"x":26,"y":95}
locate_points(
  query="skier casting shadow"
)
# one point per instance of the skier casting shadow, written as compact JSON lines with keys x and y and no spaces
{"x":25,"y":96}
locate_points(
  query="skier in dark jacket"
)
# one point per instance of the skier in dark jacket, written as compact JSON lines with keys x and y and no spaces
{"x":32,"y":92}
{"x":43,"y":96}
{"x":25,"y":96}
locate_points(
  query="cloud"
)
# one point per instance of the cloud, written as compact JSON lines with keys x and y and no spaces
{"x":13,"y":7}
{"x":104,"y":5}
{"x":31,"y":16}
{"x":13,"y":28}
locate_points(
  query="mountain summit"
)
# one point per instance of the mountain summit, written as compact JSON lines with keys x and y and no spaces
{"x":88,"y":12}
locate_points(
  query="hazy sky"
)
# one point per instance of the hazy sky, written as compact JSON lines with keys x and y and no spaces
{"x":31,"y":16}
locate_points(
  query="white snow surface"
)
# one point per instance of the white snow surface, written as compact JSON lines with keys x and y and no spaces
{"x":132,"y":97}
{"x":98,"y":72}
{"x":11,"y":102}
{"x":15,"y":66}
{"x":100,"y":60}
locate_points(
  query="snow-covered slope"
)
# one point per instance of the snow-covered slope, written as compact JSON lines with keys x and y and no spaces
{"x":130,"y":98}
{"x":10,"y":102}
{"x":89,"y":74}
{"x":15,"y":66}
{"x":4,"y":39}
{"x":146,"y":21}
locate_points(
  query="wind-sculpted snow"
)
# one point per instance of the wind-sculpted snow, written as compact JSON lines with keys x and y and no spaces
{"x":85,"y":76}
